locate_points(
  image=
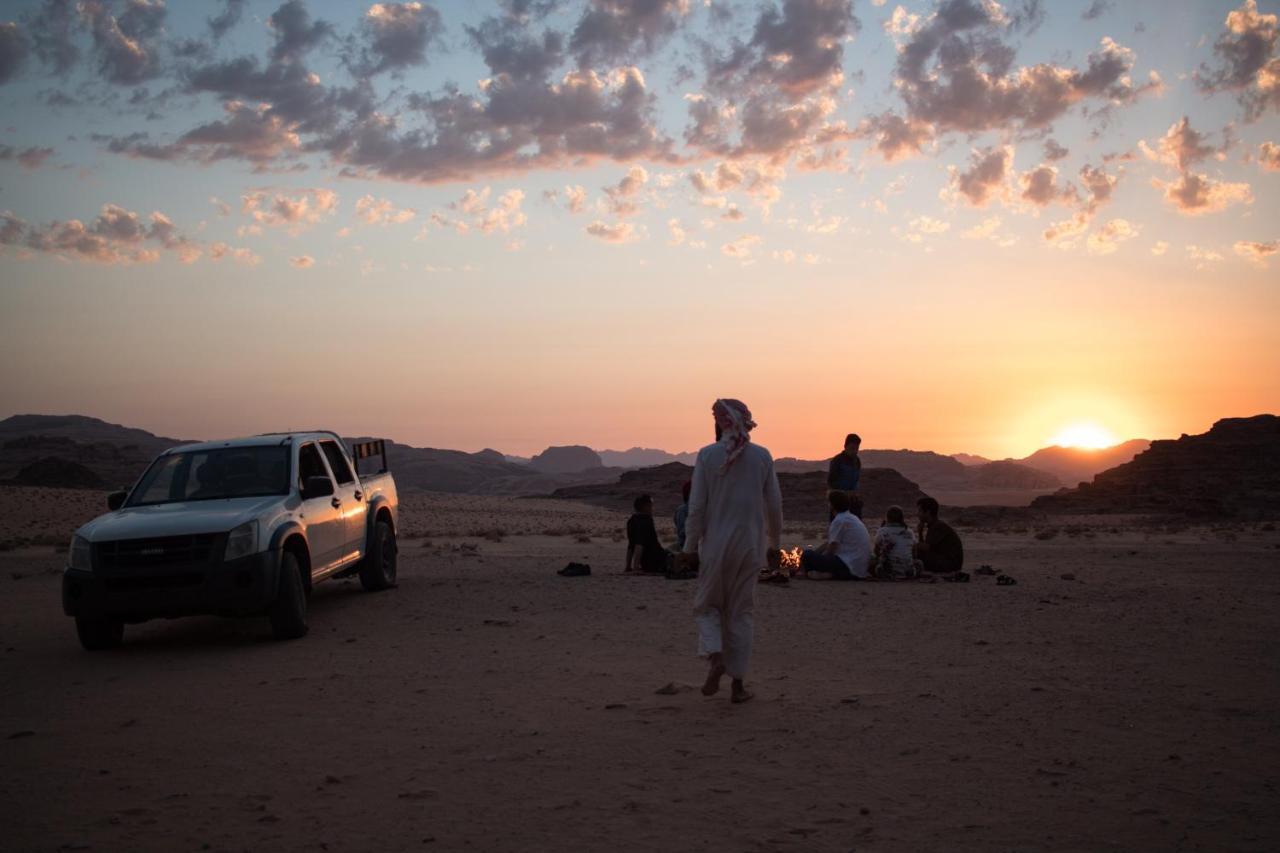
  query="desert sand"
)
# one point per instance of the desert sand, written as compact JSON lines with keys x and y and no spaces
{"x":488,"y":704}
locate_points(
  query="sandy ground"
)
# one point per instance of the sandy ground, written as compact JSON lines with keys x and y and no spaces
{"x":488,"y":704}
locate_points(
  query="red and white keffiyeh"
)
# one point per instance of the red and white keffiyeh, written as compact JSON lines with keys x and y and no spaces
{"x":734,"y":420}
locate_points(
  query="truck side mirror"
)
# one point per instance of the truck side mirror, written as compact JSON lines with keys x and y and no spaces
{"x":115,"y":500}
{"x":317,"y":487}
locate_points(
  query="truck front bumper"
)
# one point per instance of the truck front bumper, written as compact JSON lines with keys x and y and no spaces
{"x":237,"y":587}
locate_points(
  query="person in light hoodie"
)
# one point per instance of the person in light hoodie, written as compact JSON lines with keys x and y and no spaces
{"x":732,"y":532}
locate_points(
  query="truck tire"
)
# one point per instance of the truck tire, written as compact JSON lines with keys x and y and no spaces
{"x":97,"y":632}
{"x":378,"y":570}
{"x":288,"y":613}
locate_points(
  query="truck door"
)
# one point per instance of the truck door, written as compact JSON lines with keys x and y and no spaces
{"x":326,"y":529}
{"x":355,"y":510}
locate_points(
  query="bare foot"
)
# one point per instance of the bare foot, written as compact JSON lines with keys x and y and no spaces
{"x":741,"y":693}
{"x":711,"y":686}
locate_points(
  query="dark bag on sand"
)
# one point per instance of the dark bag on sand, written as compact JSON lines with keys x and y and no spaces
{"x":575,"y":570}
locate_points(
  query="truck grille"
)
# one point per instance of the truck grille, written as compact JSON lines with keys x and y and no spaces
{"x":155,"y":553}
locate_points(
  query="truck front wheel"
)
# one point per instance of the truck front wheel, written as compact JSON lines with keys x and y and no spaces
{"x":288,"y":613}
{"x":378,"y":571}
{"x":98,"y":633}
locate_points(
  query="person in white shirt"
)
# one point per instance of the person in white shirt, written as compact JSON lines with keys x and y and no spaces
{"x":847,"y":552}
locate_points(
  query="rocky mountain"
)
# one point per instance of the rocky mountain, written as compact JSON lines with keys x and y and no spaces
{"x":643,"y":457}
{"x":1073,"y":465}
{"x":1233,"y":471}
{"x":933,"y":471}
{"x":804,"y":495}
{"x":74,"y":451}
{"x":970,"y":459}
{"x":566,"y":460}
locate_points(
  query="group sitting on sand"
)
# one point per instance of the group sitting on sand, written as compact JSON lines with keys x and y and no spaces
{"x":898,"y":553}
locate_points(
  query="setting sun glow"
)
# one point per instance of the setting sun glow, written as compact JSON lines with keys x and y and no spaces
{"x":1086,"y":435}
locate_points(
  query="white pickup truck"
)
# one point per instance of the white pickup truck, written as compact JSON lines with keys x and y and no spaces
{"x":233,"y":528}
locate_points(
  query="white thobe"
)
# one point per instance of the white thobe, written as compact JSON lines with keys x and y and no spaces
{"x":734,"y":516}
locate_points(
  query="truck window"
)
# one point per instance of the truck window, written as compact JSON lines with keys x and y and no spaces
{"x":337,"y":462}
{"x":309,"y":464}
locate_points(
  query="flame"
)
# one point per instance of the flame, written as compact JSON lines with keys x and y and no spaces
{"x":791,"y":560}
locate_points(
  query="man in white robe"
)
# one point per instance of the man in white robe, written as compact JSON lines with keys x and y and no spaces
{"x":732,"y":532}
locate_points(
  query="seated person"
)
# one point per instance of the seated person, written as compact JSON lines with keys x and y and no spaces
{"x":847,"y":552}
{"x":644,"y":552}
{"x":939,"y":547}
{"x":895,"y":547}
{"x":682,"y":516}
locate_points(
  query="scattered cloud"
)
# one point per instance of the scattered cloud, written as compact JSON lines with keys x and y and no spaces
{"x":1257,"y":253}
{"x":13,"y":51}
{"x":622,"y":196}
{"x":676,"y":232}
{"x":1193,"y":193}
{"x":303,"y":262}
{"x":1247,"y":61}
{"x":1106,"y":239}
{"x":381,"y":211}
{"x":115,"y":236}
{"x":395,"y":36}
{"x":1096,"y":10}
{"x":1159,"y":248}
{"x":617,"y":232}
{"x":31,"y":158}
{"x":986,"y":176}
{"x":295,"y":210}
{"x":742,"y":247}
{"x":1269,"y":156}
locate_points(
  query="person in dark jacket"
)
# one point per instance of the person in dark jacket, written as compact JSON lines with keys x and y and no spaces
{"x":644,"y":550}
{"x":939,"y":545}
{"x":846,"y":468}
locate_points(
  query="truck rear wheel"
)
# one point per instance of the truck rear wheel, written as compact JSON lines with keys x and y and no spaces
{"x":378,"y":570}
{"x":288,"y":613}
{"x":97,"y":632}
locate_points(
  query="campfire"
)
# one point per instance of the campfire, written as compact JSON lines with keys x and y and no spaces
{"x":791,"y":560}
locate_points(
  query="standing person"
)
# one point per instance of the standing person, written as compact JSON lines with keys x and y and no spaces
{"x":845,"y":470}
{"x":846,"y":556}
{"x":733,"y":531}
{"x":940,"y":548}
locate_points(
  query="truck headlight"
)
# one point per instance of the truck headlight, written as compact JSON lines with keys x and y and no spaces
{"x":241,"y":541}
{"x":79,"y":555}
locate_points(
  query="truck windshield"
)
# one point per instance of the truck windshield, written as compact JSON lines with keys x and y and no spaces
{"x":208,"y":475}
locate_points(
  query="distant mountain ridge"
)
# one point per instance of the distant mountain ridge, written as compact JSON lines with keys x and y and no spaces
{"x":933,"y":471}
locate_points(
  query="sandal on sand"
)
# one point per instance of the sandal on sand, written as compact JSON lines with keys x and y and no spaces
{"x":984,"y":569}
{"x":774,"y":577}
{"x":1005,"y":580}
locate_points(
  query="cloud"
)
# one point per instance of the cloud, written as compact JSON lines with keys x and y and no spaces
{"x":676,"y":232}
{"x":1201,"y":256}
{"x":618,"y":232}
{"x":294,"y":31}
{"x":742,"y":247}
{"x":1159,"y":248}
{"x":1247,"y":61}
{"x":382,"y":211}
{"x":503,"y":215}
{"x":612,"y":31}
{"x":295,"y":210}
{"x":13,"y":51}
{"x":303,"y":262}
{"x":1040,"y":185}
{"x":52,"y":32}
{"x":396,"y":36}
{"x":1181,"y":149}
{"x":220,"y":251}
{"x":115,"y":236}
{"x":575,"y":198}
{"x":1258,"y":253}
{"x":32,"y":157}
{"x":1096,"y":10}
{"x":224,"y":21}
{"x":896,"y":137}
{"x":1105,"y":240}
{"x":1053,"y":151}
{"x":929,"y":225}
{"x":986,"y":175}
{"x":622,"y":195}
{"x":127,"y":46}
{"x":1269,"y":156}
{"x":956,"y":74}
{"x":248,"y":133}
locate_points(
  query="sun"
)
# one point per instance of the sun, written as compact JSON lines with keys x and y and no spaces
{"x":1086,"y":435}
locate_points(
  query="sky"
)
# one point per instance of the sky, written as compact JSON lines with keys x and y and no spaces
{"x":963,"y":226}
